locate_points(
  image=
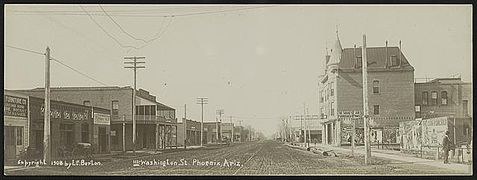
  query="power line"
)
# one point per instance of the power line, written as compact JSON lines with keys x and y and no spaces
{"x":36,"y":52}
{"x":158,"y":33}
{"x":106,"y":32}
{"x":120,"y":27}
{"x":79,"y":72}
{"x":25,"y":50}
{"x":150,"y":15}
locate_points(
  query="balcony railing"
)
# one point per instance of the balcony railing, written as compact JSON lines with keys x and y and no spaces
{"x":146,"y":118}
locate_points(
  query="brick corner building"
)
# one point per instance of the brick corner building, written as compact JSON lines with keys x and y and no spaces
{"x":390,"y":94}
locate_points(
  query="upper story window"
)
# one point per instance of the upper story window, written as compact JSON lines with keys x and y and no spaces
{"x":425,"y":98}
{"x":418,"y":111}
{"x":444,"y":97}
{"x":87,"y":103}
{"x":359,"y":62}
{"x":434,"y":98}
{"x":375,"y":86}
{"x":332,"y":113}
{"x":321,"y":97}
{"x":376,"y":109}
{"x":115,"y":107}
{"x":146,"y":110}
{"x":332,"y":90}
{"x":395,"y":61}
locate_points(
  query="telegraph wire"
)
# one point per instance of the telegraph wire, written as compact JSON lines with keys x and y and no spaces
{"x":54,"y":59}
{"x":120,"y":27}
{"x":106,"y":32}
{"x":25,"y":50}
{"x":79,"y":72}
{"x":157,"y":37}
{"x":151,"y":15}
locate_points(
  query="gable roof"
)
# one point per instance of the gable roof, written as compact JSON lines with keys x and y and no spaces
{"x":376,"y":58}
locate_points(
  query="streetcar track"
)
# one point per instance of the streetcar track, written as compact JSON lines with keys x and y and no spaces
{"x":248,"y":160}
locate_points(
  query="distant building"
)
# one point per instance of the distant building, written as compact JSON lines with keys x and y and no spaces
{"x":443,"y":97}
{"x":226,"y":131}
{"x":390,"y":93}
{"x":442,"y":104}
{"x":153,"y":119}
{"x":193,"y":133}
{"x":211,"y":132}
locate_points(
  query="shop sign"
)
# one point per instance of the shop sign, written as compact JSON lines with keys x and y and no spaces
{"x":65,"y":114}
{"x":354,"y":114}
{"x":100,"y":118}
{"x":15,"y":106}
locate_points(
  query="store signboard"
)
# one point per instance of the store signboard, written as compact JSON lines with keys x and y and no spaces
{"x":15,"y":106}
{"x":100,"y":118}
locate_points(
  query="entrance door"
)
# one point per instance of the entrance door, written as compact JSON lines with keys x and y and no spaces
{"x":103,"y":140}
{"x":9,"y":143}
{"x":329,"y":134}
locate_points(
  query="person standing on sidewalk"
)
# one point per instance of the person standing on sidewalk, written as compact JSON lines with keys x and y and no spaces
{"x":446,"y":145}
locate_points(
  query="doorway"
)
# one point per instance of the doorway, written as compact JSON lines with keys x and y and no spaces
{"x":9,"y":143}
{"x":103,"y":140}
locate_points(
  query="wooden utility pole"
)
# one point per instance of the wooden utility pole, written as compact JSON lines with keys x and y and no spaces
{"x":231,"y":122}
{"x":202,"y":101}
{"x":46,"y":128}
{"x":185,"y":126}
{"x":220,"y":112}
{"x":365,"y":103}
{"x":134,"y":67}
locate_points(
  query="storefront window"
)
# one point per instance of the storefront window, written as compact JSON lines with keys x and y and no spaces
{"x":66,"y":134}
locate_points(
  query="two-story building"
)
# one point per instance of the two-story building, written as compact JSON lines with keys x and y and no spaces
{"x":442,"y":104}
{"x":155,"y":122}
{"x":390,"y":93}
{"x":192,"y":135}
{"x":211,"y":132}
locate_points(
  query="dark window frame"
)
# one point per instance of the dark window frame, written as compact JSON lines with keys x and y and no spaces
{"x":19,"y":135}
{"x":115,"y":110}
{"x":359,"y":62}
{"x":444,"y":98}
{"x":375,"y":86}
{"x":376,"y":109}
{"x":85,"y":133}
{"x":434,"y":101}
{"x":425,"y":98}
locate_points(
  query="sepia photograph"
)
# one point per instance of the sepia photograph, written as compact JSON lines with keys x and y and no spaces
{"x":238,"y":90}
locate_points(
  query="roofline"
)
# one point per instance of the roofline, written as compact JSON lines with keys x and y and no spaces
{"x":69,"y":103}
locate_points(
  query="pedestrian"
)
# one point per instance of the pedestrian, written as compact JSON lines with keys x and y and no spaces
{"x":446,"y":145}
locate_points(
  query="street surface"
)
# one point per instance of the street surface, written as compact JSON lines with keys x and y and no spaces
{"x":250,"y":158}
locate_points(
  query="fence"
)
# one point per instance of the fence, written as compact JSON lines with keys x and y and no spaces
{"x":461,"y":154}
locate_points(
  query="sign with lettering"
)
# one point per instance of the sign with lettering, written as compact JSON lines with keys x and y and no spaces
{"x":100,"y":118}
{"x":15,"y":106}
{"x":355,"y":114}
{"x":66,"y":114}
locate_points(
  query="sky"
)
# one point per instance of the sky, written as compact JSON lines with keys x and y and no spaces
{"x":257,"y":63}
